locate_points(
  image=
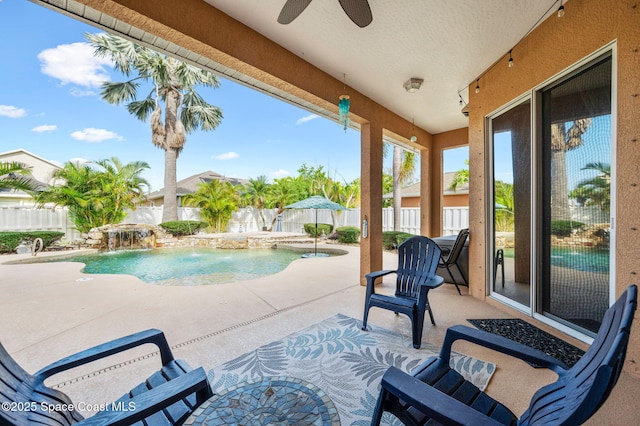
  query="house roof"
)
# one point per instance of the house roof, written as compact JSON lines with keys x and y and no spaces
{"x":9,"y":155}
{"x":413,"y":190}
{"x":190,"y":184}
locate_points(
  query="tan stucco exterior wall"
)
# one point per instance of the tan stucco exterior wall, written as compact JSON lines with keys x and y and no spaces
{"x":555,"y":45}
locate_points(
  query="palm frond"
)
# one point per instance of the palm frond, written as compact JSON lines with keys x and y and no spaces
{"x":119,"y":92}
{"x":142,"y":109}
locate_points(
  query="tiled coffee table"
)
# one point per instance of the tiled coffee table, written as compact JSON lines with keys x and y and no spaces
{"x":268,"y":401}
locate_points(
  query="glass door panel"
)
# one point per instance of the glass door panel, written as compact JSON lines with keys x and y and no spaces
{"x":511,"y":138}
{"x":573,"y":279}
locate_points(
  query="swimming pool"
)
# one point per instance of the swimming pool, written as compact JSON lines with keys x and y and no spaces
{"x":187,"y":266}
{"x":580,"y":259}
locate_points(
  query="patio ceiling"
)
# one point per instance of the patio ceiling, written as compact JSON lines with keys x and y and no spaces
{"x":446,"y":43}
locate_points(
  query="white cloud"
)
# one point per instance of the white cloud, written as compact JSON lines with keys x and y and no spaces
{"x":95,"y":135}
{"x":226,"y":156}
{"x":280,"y":173}
{"x":44,"y":128}
{"x":79,"y":160}
{"x":307,"y":118}
{"x":74,"y":63}
{"x":11,"y":111}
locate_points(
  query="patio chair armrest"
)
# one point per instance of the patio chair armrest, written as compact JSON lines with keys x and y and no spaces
{"x":152,"y":401}
{"x":432,"y":402}
{"x":104,"y":350}
{"x":500,"y":344}
{"x":372,"y":276}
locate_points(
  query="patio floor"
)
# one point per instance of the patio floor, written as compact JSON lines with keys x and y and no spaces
{"x":52,"y":310}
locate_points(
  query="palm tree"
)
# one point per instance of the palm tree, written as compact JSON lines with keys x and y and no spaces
{"x":257,"y":194}
{"x":404,"y":164}
{"x":124,"y":184}
{"x":174,"y":85}
{"x":597,"y":190}
{"x":563,"y":140}
{"x":461,"y":177}
{"x":15,"y":175}
{"x":284,"y":191}
{"x":96,"y":197}
{"x":217,"y":201}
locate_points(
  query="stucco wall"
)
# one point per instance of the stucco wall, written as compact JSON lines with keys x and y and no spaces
{"x":557,"y":44}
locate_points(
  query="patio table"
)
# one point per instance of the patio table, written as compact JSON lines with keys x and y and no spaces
{"x":270,"y":400}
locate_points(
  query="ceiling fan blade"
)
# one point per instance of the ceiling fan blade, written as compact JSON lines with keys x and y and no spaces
{"x":291,"y":10}
{"x":358,"y":11}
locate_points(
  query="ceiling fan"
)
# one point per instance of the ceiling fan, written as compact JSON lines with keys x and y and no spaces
{"x":357,"y":10}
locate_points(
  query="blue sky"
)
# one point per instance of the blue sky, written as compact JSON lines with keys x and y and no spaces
{"x":50,"y":106}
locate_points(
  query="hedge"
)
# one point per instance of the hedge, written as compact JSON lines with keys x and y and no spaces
{"x":348,"y":234}
{"x":179,"y":228}
{"x":392,"y":239}
{"x":9,"y":241}
{"x":310,"y":228}
{"x":563,"y":228}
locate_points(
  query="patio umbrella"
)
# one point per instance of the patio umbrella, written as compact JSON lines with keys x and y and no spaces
{"x":315,"y":202}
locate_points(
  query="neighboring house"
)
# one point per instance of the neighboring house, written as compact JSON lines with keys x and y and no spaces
{"x":41,"y":171}
{"x":190,"y":185}
{"x":458,"y":198}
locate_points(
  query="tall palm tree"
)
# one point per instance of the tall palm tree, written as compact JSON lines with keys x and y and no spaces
{"x":174,"y":85}
{"x":17,"y":176}
{"x":217,"y":201}
{"x":404,"y":165}
{"x":563,"y":140}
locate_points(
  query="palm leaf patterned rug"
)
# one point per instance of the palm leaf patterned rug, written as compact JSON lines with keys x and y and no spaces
{"x":345,"y":362}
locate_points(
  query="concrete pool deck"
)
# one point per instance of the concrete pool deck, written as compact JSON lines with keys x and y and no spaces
{"x":52,"y":310}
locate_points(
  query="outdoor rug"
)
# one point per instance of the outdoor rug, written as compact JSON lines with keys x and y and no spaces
{"x":530,"y":335}
{"x":345,"y":362}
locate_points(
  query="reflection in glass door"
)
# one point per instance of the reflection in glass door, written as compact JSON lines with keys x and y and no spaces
{"x":573,"y":279}
{"x":511,"y":137}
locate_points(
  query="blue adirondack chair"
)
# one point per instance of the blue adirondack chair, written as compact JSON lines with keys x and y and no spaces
{"x":436,"y":394}
{"x":417,"y":262}
{"x":167,"y":397}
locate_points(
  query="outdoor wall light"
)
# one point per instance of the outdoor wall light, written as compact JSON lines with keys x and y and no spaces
{"x":413,"y":84}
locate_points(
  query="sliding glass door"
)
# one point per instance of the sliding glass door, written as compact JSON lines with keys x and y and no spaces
{"x":551,"y":199}
{"x":511,"y":136}
{"x":576,"y":198}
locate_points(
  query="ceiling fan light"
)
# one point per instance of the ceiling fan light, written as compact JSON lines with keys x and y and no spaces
{"x":413,"y":84}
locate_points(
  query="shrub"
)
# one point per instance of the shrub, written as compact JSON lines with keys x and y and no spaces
{"x":392,"y":239}
{"x":10,"y":240}
{"x":179,"y":228}
{"x":563,"y":228}
{"x":310,"y":228}
{"x":348,"y":234}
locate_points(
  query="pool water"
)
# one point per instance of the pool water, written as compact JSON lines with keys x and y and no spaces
{"x":187,"y":266}
{"x":580,"y":259}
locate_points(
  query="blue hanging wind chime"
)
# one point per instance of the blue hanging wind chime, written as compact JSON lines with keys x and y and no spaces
{"x":343,"y":107}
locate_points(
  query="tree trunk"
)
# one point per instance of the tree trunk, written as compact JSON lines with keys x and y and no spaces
{"x":559,"y":191}
{"x":397,"y":196}
{"x":170,"y":208}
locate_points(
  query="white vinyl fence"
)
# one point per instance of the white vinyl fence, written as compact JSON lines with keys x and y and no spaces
{"x":20,"y":218}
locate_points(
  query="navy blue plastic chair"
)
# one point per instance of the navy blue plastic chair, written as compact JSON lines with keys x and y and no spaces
{"x":417,"y":263}
{"x":451,"y":258}
{"x":167,"y":397}
{"x":436,"y":394}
